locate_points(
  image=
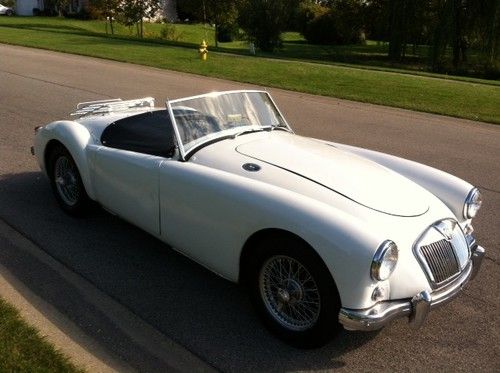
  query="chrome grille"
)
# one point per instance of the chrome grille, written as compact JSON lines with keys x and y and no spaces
{"x":441,"y":259}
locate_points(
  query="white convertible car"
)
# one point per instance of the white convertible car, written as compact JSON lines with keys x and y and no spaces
{"x":324,"y":235}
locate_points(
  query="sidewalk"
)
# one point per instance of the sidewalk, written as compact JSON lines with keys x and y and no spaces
{"x":95,"y":331}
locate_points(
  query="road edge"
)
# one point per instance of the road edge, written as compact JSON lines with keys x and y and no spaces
{"x":69,"y":338}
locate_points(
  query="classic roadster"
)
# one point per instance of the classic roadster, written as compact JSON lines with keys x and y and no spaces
{"x":323,"y":235}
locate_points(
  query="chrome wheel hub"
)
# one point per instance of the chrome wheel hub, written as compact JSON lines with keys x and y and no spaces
{"x":283,"y":296}
{"x":289,"y":292}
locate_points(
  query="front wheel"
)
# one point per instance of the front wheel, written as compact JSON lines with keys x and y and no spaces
{"x":295,"y":293}
{"x":66,"y":182}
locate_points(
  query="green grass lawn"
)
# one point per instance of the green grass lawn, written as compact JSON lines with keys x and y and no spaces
{"x":461,"y":97}
{"x":22,"y":349}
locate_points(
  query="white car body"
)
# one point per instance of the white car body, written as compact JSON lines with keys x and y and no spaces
{"x":6,"y":10}
{"x":342,"y":200}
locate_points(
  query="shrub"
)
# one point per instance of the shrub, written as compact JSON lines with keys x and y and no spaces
{"x":169,"y":32}
{"x":307,"y":12}
{"x":264,"y":21}
{"x":340,"y":24}
{"x":227,"y":33}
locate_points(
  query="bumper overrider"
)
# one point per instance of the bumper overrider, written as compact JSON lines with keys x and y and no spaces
{"x":416,"y":308}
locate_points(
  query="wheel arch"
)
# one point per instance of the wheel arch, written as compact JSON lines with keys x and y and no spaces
{"x":251,"y":245}
{"x":74,"y":138}
{"x":49,"y":148}
{"x":321,"y":321}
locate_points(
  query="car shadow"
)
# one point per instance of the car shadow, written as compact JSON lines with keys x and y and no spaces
{"x":209,"y":316}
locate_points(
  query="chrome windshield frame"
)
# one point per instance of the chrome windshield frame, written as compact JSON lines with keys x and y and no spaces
{"x":184,"y":155}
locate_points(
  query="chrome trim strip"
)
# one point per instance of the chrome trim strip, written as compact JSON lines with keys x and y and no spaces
{"x":182,"y":152}
{"x":280,"y":113}
{"x":468,"y":201}
{"x":379,"y":257}
{"x":217,"y":93}
{"x":382,"y":313}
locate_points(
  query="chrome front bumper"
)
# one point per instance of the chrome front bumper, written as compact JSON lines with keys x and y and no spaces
{"x":416,"y":308}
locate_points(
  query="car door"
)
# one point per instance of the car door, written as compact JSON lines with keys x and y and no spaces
{"x":126,"y":167}
{"x":126,"y":183}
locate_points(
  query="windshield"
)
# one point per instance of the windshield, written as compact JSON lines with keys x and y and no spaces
{"x":218,"y":115}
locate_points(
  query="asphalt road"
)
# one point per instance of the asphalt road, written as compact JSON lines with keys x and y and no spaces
{"x":204,"y":313}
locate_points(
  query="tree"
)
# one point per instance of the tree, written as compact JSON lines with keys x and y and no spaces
{"x":484,"y":30}
{"x":56,"y":6}
{"x":107,"y":9}
{"x":454,"y":20}
{"x":376,"y":19}
{"x":400,"y":22}
{"x":397,"y":29}
{"x":339,"y":23}
{"x":222,"y":13}
{"x":9,"y":3}
{"x":265,"y":20}
{"x":133,"y":12}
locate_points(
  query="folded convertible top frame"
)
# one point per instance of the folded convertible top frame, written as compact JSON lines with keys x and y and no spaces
{"x":110,"y":106}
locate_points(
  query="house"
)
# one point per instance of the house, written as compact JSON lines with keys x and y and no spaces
{"x":170,"y":10}
{"x":25,"y":7}
{"x":75,"y":6}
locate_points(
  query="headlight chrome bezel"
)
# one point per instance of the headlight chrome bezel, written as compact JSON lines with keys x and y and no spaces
{"x":385,"y":251}
{"x":472,"y":203}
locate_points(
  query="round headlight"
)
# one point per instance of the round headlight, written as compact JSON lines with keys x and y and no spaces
{"x":473,"y":203}
{"x":384,"y":261}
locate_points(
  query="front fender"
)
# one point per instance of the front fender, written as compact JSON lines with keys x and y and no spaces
{"x":75,"y":138}
{"x":209,"y":214}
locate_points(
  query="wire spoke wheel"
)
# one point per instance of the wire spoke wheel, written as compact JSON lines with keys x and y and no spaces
{"x":66,"y":180}
{"x":290,"y":293}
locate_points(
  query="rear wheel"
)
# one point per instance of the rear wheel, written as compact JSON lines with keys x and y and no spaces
{"x":66,"y":182}
{"x":294,"y":292}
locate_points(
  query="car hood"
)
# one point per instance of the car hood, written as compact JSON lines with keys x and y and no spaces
{"x":356,"y":178}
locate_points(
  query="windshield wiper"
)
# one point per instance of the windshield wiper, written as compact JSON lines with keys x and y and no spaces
{"x":264,"y":128}
{"x":279,"y":127}
{"x":244,"y":132}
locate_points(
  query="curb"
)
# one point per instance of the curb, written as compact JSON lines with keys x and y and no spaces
{"x":162,"y":353}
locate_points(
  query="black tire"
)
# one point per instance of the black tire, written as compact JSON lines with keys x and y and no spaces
{"x":279,"y":306}
{"x":9,"y":13}
{"x":71,"y":196}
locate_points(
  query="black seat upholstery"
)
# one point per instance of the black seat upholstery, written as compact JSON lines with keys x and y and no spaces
{"x":148,"y":133}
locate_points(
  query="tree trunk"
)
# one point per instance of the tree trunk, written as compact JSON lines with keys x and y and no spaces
{"x":216,"y":35}
{"x":441,"y":35}
{"x":397,"y":29}
{"x":457,"y":34}
{"x":459,"y":26}
{"x":493,"y":37}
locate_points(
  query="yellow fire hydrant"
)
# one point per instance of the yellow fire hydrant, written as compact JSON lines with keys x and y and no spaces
{"x":203,"y":50}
